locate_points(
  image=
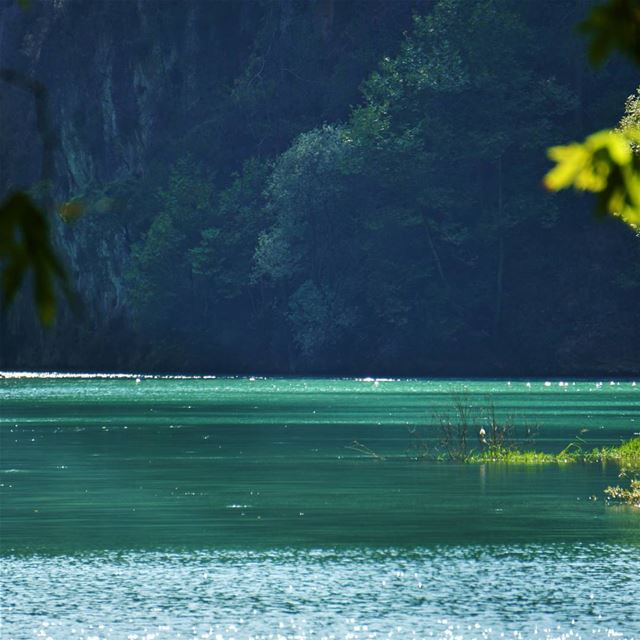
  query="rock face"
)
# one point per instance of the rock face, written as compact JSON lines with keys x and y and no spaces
{"x":119,"y":76}
{"x":112,"y":85}
{"x":134,"y":85}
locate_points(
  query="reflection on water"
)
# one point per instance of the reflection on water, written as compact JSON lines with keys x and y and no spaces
{"x":235,"y":508}
{"x":529,"y":591}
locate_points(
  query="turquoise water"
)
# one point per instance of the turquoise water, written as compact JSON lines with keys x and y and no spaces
{"x":241,"y":508}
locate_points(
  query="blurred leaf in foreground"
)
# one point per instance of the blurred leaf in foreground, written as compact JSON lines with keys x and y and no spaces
{"x":25,"y":245}
{"x":25,"y":242}
{"x":613,"y":26}
{"x":605,"y":164}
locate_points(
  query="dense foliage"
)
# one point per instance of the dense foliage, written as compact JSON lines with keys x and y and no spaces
{"x":331,"y":187}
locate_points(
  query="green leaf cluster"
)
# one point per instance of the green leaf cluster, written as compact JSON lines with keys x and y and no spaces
{"x":605,"y":164}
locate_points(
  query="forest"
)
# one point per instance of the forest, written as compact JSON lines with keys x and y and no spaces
{"x":323,"y":187}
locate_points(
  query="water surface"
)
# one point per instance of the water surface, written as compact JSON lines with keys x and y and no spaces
{"x":236,"y":507}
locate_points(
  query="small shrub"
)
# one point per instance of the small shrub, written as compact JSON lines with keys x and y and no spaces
{"x":498,"y":439}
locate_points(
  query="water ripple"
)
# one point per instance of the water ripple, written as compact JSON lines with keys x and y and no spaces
{"x":517,"y":591}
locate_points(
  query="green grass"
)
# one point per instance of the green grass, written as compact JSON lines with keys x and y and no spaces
{"x":513,"y":456}
{"x":627,"y":454}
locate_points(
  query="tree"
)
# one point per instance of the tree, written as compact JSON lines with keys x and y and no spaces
{"x":449,"y":130}
{"x":161,"y":277}
{"x":308,"y":253}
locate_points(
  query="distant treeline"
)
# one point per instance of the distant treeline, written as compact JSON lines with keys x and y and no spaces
{"x":329,"y":187}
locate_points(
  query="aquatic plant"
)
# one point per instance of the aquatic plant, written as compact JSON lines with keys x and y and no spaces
{"x":364,"y":450}
{"x":498,"y":437}
{"x":626,"y":454}
{"x":514,"y":456}
{"x":630,"y":495}
{"x":499,"y":441}
{"x":418,"y":448}
{"x":497,"y":447}
{"x":455,"y":428}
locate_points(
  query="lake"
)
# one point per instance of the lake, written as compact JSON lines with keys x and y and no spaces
{"x":148,"y":507}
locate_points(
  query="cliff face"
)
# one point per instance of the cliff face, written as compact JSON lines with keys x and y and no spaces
{"x":132,"y":87}
{"x":119,"y":76}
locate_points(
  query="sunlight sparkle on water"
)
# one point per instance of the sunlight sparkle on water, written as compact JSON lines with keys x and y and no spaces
{"x":529,"y":591}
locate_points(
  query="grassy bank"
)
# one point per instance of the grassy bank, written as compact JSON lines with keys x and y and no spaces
{"x":626,"y":454}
